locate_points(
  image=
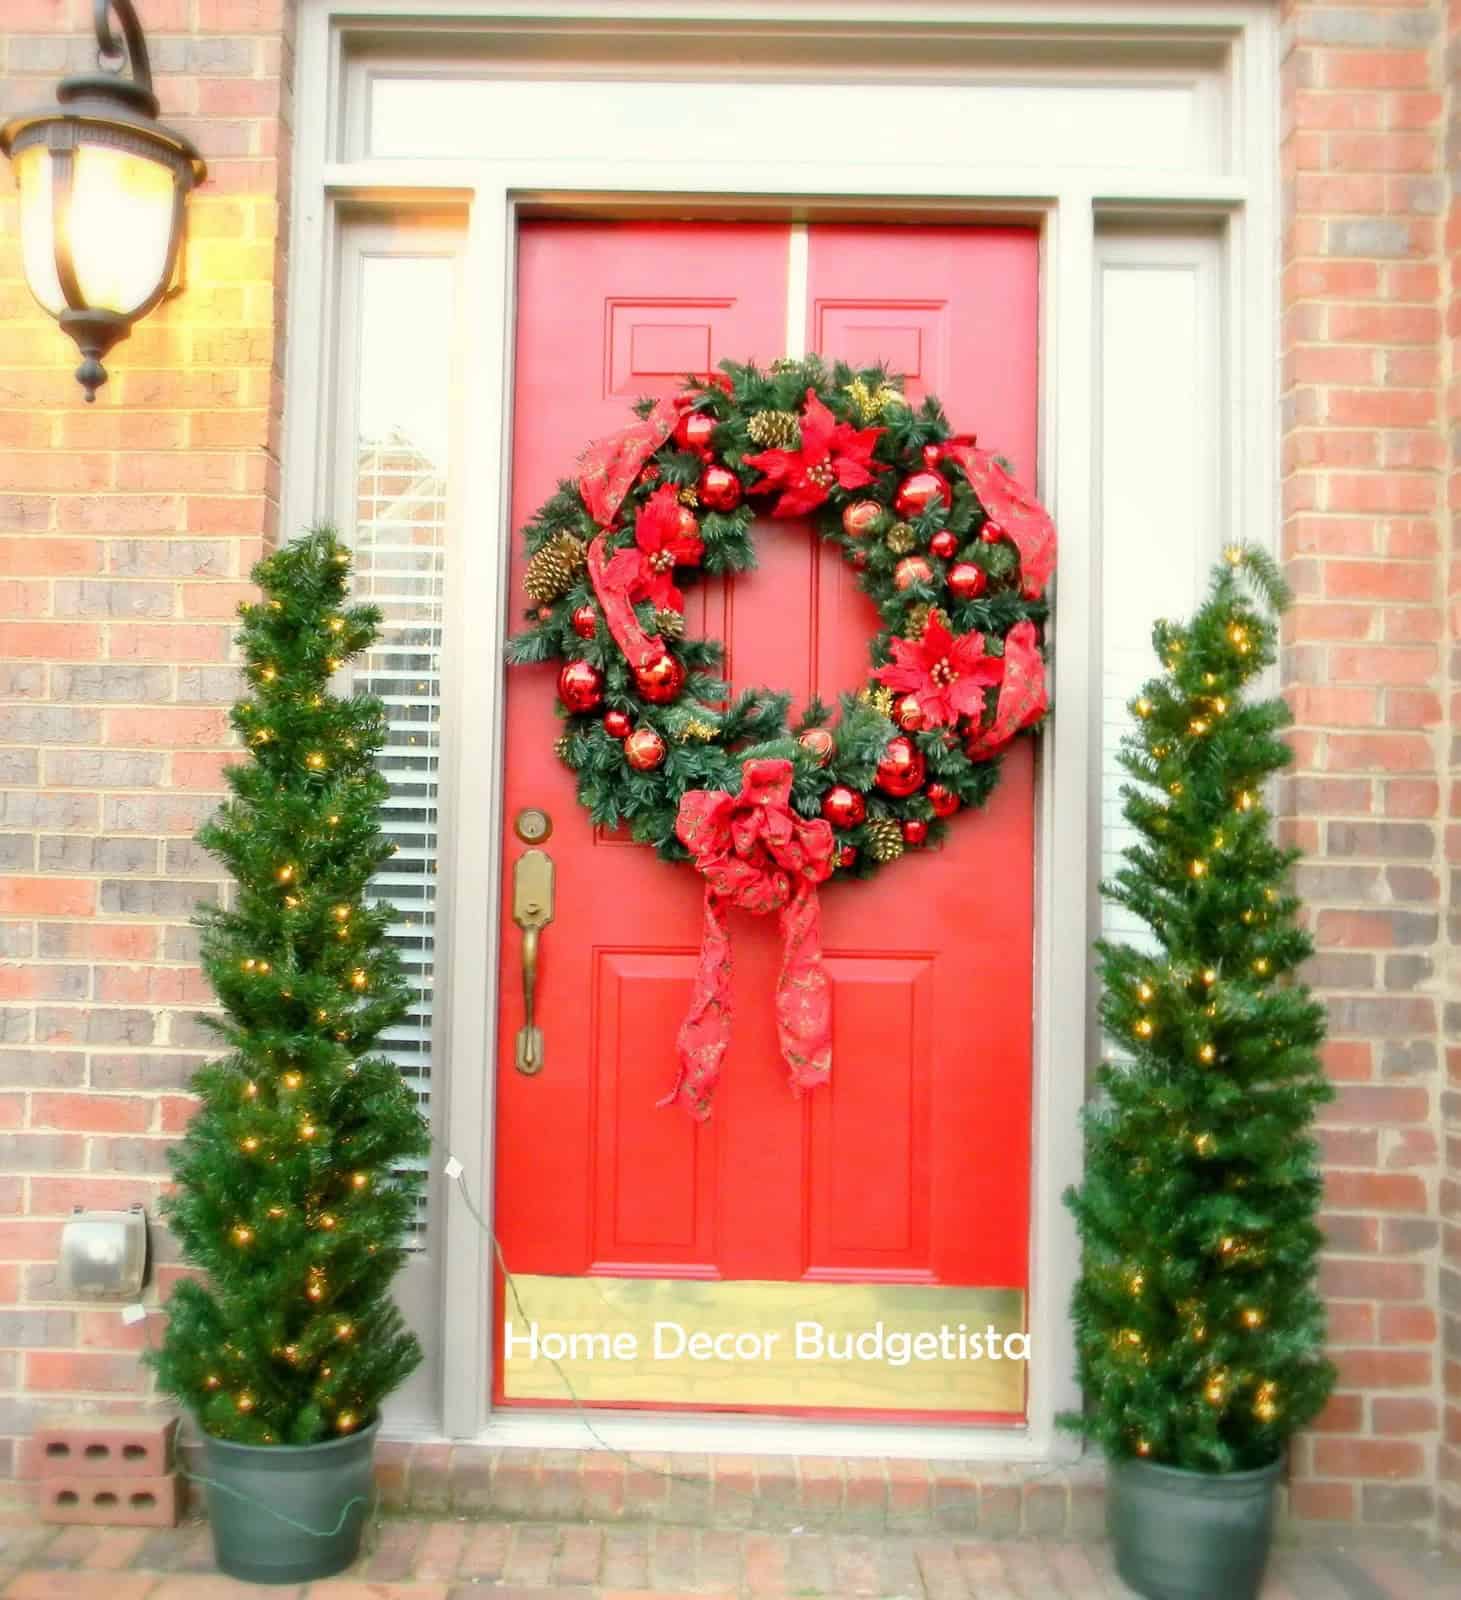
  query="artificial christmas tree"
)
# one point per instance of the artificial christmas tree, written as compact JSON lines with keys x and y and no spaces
{"x":1199,"y":1331}
{"x":294,"y":1192}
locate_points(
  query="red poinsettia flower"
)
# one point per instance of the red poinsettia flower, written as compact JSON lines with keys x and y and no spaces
{"x":646,"y":569}
{"x":831,"y":452}
{"x":947,"y":676}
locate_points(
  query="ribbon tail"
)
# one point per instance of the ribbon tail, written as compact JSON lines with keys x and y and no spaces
{"x":705,"y":1032}
{"x":639,"y":648}
{"x":611,"y":465}
{"x":804,"y":992}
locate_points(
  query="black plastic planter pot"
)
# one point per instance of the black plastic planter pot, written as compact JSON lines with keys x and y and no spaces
{"x":1181,"y":1535}
{"x":284,"y":1513}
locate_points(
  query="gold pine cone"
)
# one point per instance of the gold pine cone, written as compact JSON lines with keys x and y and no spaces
{"x":775,"y":430}
{"x":552,"y":570}
{"x":560,"y":747}
{"x":884,"y":839}
{"x":670,"y":623}
{"x":900,"y":539}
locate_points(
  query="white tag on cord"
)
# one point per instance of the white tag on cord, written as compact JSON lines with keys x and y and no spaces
{"x":453,"y":1167}
{"x":131,"y":1314}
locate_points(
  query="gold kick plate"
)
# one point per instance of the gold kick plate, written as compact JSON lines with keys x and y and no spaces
{"x":532,"y":910}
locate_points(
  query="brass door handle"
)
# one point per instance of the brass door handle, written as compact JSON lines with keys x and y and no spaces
{"x":532,"y":910}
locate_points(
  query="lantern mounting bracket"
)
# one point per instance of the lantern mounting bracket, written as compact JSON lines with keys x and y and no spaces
{"x":107,"y":81}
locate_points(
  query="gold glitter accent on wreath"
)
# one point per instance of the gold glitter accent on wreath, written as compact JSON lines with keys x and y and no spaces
{"x":880,"y":699}
{"x":688,"y":496}
{"x":696,"y":729}
{"x":872,"y":403}
{"x":920,"y":616}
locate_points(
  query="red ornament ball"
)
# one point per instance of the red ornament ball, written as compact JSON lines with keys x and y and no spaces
{"x":644,"y":749}
{"x":902,"y":769}
{"x":545,"y":613}
{"x":966,"y":581}
{"x":932,"y":455}
{"x":919,"y":490}
{"x":818,"y":743}
{"x":585,"y":621}
{"x":915,"y":831}
{"x":649,"y":474}
{"x":660,"y":681}
{"x":617,"y":724}
{"x":689,"y":528}
{"x":860,"y":518}
{"x":720,"y":489}
{"x":908,"y":714}
{"x":580,"y":685}
{"x":991,"y":532}
{"x":943,"y":799}
{"x":693,"y":431}
{"x":846,"y":855}
{"x":843,"y":807}
{"x":858,"y":560}
{"x":944,"y":544}
{"x":911,"y":570}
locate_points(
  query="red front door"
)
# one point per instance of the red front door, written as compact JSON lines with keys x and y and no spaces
{"x":910,"y":1175}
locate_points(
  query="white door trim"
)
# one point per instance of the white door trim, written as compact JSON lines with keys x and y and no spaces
{"x":333,"y":178}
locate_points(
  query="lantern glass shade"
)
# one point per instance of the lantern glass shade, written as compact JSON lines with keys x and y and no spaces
{"x":116,"y":208}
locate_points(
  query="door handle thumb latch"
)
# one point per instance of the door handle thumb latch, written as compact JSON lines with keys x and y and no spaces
{"x":532,"y":910}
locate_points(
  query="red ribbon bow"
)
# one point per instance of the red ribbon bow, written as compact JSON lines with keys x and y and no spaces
{"x":755,"y":852}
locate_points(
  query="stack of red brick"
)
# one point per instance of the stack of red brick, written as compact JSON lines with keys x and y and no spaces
{"x":106,"y":1469}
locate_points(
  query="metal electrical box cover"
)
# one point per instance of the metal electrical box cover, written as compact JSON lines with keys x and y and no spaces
{"x":103,"y":1254}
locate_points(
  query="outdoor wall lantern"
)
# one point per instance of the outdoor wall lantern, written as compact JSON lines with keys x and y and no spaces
{"x":102,"y":187}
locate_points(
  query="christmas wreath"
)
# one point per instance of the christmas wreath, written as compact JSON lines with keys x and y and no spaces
{"x":952,"y":550}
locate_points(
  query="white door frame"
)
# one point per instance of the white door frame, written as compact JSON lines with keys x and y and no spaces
{"x":1068,"y":202}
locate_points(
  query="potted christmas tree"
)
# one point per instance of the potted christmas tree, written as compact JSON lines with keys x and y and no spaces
{"x":1199,"y":1332}
{"x":293,"y":1184}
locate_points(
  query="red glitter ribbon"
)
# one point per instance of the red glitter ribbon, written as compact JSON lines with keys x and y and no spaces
{"x":613,"y":579}
{"x":755,"y":852}
{"x":610,"y":467}
{"x":1025,"y":521}
{"x":1022,"y":694}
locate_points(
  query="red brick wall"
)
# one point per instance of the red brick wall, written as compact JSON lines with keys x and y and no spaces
{"x":1366,"y":463}
{"x":126,"y":531}
{"x":1449,"y":1465}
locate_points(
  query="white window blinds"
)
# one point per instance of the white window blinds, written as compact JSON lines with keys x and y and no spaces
{"x":404,"y":340}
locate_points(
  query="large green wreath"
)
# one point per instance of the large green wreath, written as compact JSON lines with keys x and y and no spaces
{"x":952,"y":551}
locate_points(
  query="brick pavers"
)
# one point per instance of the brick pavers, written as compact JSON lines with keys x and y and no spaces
{"x":455,"y":1559}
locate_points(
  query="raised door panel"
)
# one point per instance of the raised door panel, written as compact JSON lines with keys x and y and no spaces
{"x":636,"y":1000}
{"x":871,"y":1140}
